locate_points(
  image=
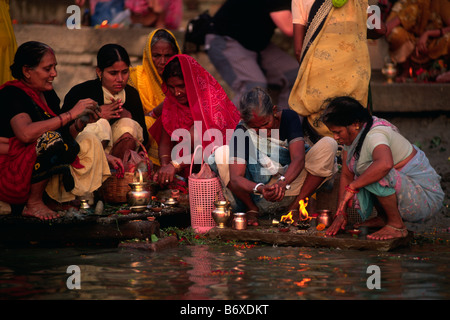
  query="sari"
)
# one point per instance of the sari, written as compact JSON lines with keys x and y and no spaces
{"x":334,"y":61}
{"x":8,"y":44}
{"x":416,"y":17}
{"x":417,"y":185}
{"x":209,"y":108}
{"x":24,"y":164}
{"x":148,"y":82}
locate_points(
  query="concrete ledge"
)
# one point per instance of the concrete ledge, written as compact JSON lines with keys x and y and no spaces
{"x":409,"y":97}
{"x":76,"y":51}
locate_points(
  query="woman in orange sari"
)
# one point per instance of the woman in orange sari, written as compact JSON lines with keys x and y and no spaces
{"x":418,"y":30}
{"x":146,"y":78}
{"x":195,"y":106}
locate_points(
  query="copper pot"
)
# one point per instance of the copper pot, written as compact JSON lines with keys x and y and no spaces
{"x":325,"y":217}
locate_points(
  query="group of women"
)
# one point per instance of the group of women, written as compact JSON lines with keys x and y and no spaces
{"x":168,"y":104}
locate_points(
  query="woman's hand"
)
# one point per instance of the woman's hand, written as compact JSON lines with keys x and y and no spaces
{"x":117,"y":164}
{"x":165,"y":175}
{"x":339,"y":223}
{"x":421,"y":45}
{"x":112,"y":110}
{"x":87,"y":109}
{"x":340,"y":219}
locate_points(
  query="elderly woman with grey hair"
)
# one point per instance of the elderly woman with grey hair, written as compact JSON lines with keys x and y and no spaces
{"x":269,"y":162}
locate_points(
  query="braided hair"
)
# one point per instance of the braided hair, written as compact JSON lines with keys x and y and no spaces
{"x":345,"y":111}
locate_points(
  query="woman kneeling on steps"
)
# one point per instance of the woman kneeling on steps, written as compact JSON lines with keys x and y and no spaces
{"x":270,"y":167}
{"x":382,"y":169}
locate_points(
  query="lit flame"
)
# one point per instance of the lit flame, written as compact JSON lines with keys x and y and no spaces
{"x":287,"y":218}
{"x":104,"y":23}
{"x":410,"y":72}
{"x":303,"y":212}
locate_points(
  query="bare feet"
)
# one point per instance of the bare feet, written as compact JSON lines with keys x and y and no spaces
{"x":388,"y":232}
{"x":40,"y":211}
{"x":374,"y":222}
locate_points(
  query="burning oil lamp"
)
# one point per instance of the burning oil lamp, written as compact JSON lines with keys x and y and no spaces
{"x":305,"y":219}
{"x":285,"y":222}
{"x":389,"y":70}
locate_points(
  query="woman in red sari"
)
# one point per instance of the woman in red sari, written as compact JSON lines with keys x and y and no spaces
{"x":196,"y":111}
{"x":36,"y":141}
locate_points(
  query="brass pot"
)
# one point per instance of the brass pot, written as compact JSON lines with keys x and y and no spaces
{"x":221,"y":214}
{"x":139,"y":196}
{"x":389,"y":71}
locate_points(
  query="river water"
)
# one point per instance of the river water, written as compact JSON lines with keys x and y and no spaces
{"x":223,"y":272}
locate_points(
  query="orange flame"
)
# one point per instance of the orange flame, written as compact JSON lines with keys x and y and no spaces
{"x":104,"y":24}
{"x":411,"y":72}
{"x":303,"y":212}
{"x":287,"y":218}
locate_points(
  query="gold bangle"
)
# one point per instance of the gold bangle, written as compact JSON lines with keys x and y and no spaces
{"x":175,"y":164}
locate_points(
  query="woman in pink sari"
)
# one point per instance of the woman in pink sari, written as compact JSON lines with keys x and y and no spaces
{"x":196,"y":110}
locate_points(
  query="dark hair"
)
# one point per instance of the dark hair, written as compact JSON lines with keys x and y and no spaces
{"x":110,"y":54}
{"x":163,"y":35}
{"x":256,"y":100}
{"x":28,"y":54}
{"x":345,"y":111}
{"x":172,"y":69}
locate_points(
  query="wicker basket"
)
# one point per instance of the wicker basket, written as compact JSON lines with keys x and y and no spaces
{"x":114,"y":189}
{"x":202,"y":194}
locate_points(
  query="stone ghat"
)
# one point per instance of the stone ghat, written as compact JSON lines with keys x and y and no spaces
{"x":266,"y":233}
{"x":76,"y":228}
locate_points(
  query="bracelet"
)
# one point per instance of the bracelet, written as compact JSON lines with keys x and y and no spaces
{"x":347,"y":187}
{"x":255,"y":189}
{"x":164,"y":156}
{"x":60,"y":121}
{"x":283,"y":178}
{"x":175,"y":164}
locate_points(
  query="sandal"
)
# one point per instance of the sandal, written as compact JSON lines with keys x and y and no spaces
{"x":252,"y":218}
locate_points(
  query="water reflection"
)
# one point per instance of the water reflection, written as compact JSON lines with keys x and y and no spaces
{"x":222,"y":272}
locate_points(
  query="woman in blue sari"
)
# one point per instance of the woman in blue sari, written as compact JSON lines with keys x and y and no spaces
{"x":269,"y":167}
{"x":382,"y":169}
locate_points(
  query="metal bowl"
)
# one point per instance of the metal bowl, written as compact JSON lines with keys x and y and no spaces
{"x":325,"y":217}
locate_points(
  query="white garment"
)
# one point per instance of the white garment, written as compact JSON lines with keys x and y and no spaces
{"x":300,"y":11}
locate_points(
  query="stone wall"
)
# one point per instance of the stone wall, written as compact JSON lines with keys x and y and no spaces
{"x":44,"y":20}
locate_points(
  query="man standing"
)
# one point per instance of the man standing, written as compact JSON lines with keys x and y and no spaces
{"x":239,"y":46}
